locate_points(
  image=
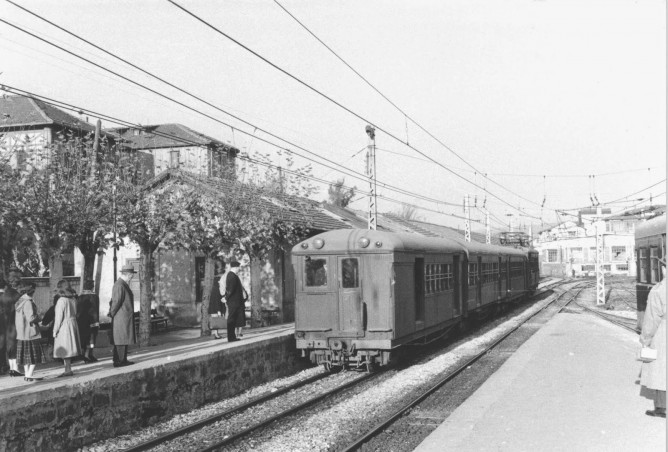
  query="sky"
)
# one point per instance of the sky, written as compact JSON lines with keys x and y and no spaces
{"x":522,"y":101}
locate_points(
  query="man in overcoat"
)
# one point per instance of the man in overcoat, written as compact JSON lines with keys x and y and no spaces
{"x":121,"y":313}
{"x":236,"y":316}
{"x":8,"y":311}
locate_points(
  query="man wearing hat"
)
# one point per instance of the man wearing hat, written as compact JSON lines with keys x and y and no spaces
{"x":234,"y":296}
{"x":121,"y":313}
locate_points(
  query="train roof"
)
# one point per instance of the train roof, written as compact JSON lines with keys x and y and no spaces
{"x":655,"y":226}
{"x":349,"y":239}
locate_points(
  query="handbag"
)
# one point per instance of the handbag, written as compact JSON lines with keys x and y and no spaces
{"x":217,"y":322}
{"x":647,"y":354}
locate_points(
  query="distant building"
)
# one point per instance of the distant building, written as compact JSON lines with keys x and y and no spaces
{"x":175,"y":146}
{"x":569,"y":249}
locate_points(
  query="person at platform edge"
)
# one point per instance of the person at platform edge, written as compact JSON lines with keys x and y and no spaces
{"x":8,"y":301}
{"x":121,"y":313}
{"x":653,"y":374}
{"x":236,"y":309}
{"x":29,"y":351}
{"x":66,"y":342}
{"x":88,"y":319}
{"x":216,"y":306}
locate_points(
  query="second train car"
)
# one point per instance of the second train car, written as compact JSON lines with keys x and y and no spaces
{"x":362,"y":293}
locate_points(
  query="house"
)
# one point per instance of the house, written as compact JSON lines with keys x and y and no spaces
{"x":175,"y":146}
{"x":569,"y":249}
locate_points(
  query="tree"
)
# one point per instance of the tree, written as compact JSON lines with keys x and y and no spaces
{"x":408,"y":213}
{"x":338,"y":195}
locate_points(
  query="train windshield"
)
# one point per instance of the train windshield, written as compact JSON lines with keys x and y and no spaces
{"x":350,"y":273}
{"x":316,"y":272}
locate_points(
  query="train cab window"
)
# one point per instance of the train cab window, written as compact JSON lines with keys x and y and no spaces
{"x":316,"y":272}
{"x":350,"y":273}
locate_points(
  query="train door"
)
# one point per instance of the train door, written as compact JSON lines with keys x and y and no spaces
{"x":499,"y":283}
{"x":457,"y":300}
{"x":478,"y":296}
{"x":419,"y":289}
{"x":351,"y":311}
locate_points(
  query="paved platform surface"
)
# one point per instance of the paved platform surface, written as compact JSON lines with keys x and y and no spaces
{"x":573,"y":386}
{"x":165,"y":345}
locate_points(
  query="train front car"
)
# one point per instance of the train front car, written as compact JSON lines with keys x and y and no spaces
{"x":650,"y":238}
{"x":357,"y":299}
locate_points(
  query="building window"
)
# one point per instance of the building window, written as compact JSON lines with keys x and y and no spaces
{"x":552,"y":255}
{"x":606,"y":267}
{"x":174,"y":159}
{"x":576,"y":254}
{"x":438,"y":278}
{"x":622,"y":267}
{"x":618,"y":253}
{"x":588,"y":268}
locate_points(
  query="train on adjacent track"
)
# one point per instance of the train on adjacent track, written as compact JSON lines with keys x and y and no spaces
{"x":362,"y":294}
{"x":650,"y":238}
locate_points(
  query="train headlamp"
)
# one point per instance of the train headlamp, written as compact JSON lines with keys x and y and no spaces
{"x":304,"y":245}
{"x":379,"y":244}
{"x":318,"y":243}
{"x":364,"y":242}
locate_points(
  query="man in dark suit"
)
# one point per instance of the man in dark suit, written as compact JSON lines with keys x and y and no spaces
{"x":234,"y":291}
{"x":121,"y":313}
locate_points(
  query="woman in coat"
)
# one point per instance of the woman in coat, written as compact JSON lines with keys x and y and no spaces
{"x":29,"y":351}
{"x":66,"y":343}
{"x":653,"y":374}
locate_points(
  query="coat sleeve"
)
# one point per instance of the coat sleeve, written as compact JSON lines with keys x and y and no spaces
{"x":117,"y":298}
{"x":59,"y":316}
{"x":231,"y":284}
{"x":653,"y":315}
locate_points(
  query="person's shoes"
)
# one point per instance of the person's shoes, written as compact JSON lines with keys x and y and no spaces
{"x":15,"y":373}
{"x":123,"y":364}
{"x":86,"y":359}
{"x":33,"y":378}
{"x":66,"y":374}
{"x":656,"y":413}
{"x":92,"y":359}
{"x":232,"y":340}
{"x":218,"y":337}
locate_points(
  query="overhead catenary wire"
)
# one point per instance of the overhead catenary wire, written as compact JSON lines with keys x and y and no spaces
{"x":350,"y":172}
{"x":330,"y":99}
{"x":129,"y":124}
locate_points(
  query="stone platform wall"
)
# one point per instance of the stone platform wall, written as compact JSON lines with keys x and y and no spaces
{"x":118,"y":401}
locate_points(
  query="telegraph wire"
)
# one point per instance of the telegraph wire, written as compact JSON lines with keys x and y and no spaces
{"x":354,"y":174}
{"x":406,"y":116}
{"x":338,"y":104}
{"x":129,"y":124}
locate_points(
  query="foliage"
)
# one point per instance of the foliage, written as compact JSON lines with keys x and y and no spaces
{"x":338,"y":195}
{"x":408,"y":213}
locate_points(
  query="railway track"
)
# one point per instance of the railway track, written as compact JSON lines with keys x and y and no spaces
{"x":384,"y":425}
{"x":197,"y":429}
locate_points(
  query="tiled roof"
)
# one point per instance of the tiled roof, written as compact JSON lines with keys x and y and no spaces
{"x":167,"y":136}
{"x":295,"y":209}
{"x":20,"y":111}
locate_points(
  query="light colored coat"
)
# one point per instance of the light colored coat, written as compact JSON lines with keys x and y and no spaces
{"x":653,"y":374}
{"x":66,"y":343}
{"x":25,"y":313}
{"x":122,"y":309}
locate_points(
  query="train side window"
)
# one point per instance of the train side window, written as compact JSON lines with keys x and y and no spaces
{"x":316,"y":272}
{"x":642,"y":260}
{"x":654,"y":264}
{"x":473,"y":274}
{"x":350,"y":273}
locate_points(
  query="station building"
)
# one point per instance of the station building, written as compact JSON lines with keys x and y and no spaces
{"x":569,"y":249}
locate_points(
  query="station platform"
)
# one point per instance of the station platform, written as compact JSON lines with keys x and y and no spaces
{"x":573,"y":386}
{"x":179,"y":372}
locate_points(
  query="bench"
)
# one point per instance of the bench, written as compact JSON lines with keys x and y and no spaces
{"x":156,"y":323}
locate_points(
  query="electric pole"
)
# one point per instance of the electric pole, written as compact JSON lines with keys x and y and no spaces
{"x":371,"y":174}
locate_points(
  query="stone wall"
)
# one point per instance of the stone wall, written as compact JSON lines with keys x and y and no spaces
{"x":117,"y":401}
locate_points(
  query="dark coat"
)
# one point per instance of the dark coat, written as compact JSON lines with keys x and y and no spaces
{"x":8,"y":301}
{"x":234,"y":294}
{"x":122,"y":308}
{"x":216,"y":298}
{"x":88,"y":307}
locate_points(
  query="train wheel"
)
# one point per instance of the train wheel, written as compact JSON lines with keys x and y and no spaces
{"x":371,"y":366}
